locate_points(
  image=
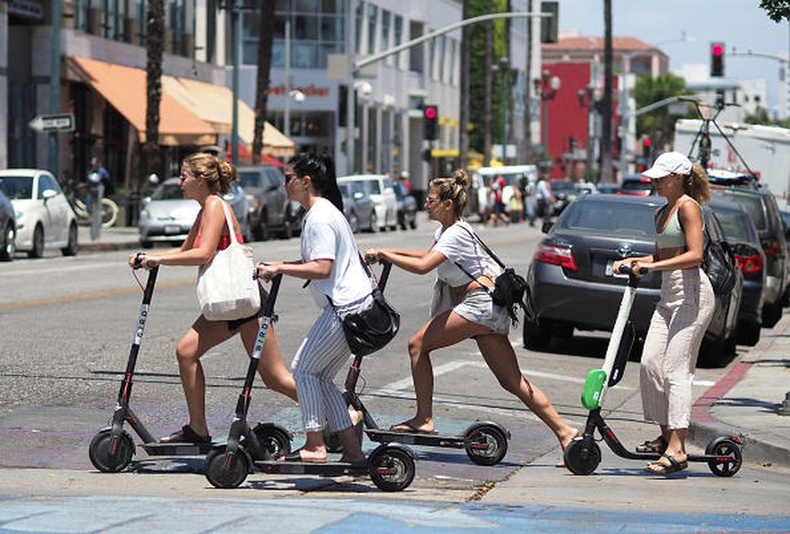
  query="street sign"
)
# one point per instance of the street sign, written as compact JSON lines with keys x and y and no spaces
{"x":61,"y":122}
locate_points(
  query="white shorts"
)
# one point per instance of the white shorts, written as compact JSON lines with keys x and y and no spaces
{"x":477,"y":307}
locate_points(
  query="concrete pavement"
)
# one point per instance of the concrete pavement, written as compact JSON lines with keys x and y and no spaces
{"x":537,"y":498}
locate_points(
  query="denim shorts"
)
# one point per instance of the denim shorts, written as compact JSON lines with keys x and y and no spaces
{"x":477,"y":307}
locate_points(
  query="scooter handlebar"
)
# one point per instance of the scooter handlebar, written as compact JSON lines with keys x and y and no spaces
{"x":626,"y":269}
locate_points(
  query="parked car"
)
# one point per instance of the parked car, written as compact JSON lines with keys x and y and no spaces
{"x":166,"y":216}
{"x":359,"y":209}
{"x":8,"y":228}
{"x":270,"y":210}
{"x":636,"y":184}
{"x":379,"y":188}
{"x":609,"y":189}
{"x":44,"y":217}
{"x":786,"y":219}
{"x":761,"y":205}
{"x":407,"y":206}
{"x":741,"y":234}
{"x":571,"y":283}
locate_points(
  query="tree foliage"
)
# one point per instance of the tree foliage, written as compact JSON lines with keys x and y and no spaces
{"x":649,"y":90}
{"x":776,"y":9}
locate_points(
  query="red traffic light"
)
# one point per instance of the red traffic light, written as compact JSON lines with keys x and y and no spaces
{"x":717,"y":49}
{"x":430,"y":112}
{"x":646,"y":142}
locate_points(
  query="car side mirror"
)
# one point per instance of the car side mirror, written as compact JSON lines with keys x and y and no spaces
{"x":547,"y":226}
{"x":48,"y":194}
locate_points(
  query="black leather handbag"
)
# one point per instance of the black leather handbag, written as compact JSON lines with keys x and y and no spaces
{"x":718,"y":262}
{"x":370,"y":330}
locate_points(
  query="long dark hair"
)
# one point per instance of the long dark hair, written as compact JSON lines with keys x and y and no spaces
{"x":321,"y":169}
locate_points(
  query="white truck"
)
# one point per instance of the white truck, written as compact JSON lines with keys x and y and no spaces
{"x":764,"y":149}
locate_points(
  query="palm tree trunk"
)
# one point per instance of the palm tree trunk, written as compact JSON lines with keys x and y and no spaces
{"x":266,"y":33}
{"x":152,"y":158}
{"x":606,"y":104}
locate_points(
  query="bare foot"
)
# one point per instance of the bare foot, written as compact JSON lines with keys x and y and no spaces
{"x":414,"y":427}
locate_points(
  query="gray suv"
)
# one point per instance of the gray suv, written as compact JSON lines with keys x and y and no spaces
{"x":269,"y":206}
{"x":761,"y":204}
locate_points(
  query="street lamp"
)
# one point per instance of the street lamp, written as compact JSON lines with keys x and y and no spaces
{"x":504,"y":68}
{"x":547,"y":87}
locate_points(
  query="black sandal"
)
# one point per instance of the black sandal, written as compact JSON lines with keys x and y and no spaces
{"x":656,"y":446}
{"x":186,"y":435}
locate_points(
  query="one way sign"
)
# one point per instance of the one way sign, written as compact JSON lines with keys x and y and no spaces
{"x":61,"y":122}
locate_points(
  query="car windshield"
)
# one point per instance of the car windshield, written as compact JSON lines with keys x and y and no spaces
{"x":563,"y":187}
{"x":251,"y":180}
{"x":636,"y":185}
{"x":17,"y":187}
{"x":613,"y":218}
{"x":168,"y":192}
{"x":345,"y":190}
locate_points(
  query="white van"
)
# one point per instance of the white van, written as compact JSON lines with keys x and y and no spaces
{"x":478,"y":198}
{"x":379,"y":188}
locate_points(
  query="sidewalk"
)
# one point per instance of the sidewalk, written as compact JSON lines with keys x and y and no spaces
{"x":115,"y":238}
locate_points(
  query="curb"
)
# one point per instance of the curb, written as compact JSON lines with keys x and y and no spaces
{"x":755,"y":450}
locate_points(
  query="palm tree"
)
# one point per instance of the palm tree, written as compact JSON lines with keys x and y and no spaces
{"x":265,"y":37}
{"x":606,"y":103}
{"x":154,"y":42}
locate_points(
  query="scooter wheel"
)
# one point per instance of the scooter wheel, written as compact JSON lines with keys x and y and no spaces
{"x":274,"y":440}
{"x":582,"y":458}
{"x":485,"y":444}
{"x":110,"y":455}
{"x":391,"y":468}
{"x":728,"y":456}
{"x":225,"y":470}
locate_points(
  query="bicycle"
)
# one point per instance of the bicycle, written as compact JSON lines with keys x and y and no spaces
{"x":76,"y":196}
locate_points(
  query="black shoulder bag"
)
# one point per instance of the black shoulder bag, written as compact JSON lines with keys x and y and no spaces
{"x":718,"y":262}
{"x":371,"y":329}
{"x":509,"y":286}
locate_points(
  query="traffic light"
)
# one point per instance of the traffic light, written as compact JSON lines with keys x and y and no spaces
{"x":717,"y":59}
{"x":647,"y":146}
{"x":430,"y":123}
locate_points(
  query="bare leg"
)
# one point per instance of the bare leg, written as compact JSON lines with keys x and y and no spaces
{"x":501,"y":359}
{"x":271,"y":368}
{"x":200,"y":338}
{"x":444,"y":330}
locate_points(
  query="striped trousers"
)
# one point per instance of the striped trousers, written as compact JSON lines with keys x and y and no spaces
{"x":319,"y":358}
{"x":672,"y":346}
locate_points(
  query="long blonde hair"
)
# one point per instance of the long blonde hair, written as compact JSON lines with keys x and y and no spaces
{"x":695,"y":184}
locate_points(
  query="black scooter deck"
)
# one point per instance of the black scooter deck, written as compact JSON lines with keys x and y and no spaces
{"x":178,"y":449}
{"x":332,"y":469}
{"x":415,"y":438}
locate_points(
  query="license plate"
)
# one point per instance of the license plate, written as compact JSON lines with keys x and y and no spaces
{"x":610,"y":271}
{"x":172,"y":229}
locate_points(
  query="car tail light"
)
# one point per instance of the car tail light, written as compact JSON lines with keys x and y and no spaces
{"x":557,"y":255}
{"x":771,"y":248}
{"x":750,"y":264}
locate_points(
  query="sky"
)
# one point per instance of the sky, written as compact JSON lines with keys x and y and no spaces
{"x":738,"y":23}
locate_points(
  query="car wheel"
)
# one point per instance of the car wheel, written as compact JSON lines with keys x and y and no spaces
{"x":261,"y":231}
{"x":536,"y":336}
{"x":771,"y":314}
{"x":353,"y":222}
{"x":38,"y":243}
{"x":8,"y":244}
{"x":72,"y":247}
{"x":749,"y":333}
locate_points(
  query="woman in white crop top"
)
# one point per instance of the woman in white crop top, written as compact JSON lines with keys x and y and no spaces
{"x":468,"y":311}
{"x":683,"y":312}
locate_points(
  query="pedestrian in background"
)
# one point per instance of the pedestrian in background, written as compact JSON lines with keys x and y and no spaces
{"x":339,"y":285}
{"x":205,"y":178}
{"x":462,"y":309}
{"x":682,"y":314}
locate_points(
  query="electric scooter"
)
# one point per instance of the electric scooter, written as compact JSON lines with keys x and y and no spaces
{"x":112,"y":448}
{"x":391,"y":467}
{"x":582,"y":455}
{"x":485,"y":442}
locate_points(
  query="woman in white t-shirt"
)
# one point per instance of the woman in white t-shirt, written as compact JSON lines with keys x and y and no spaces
{"x":338,"y":283}
{"x":462,"y":308}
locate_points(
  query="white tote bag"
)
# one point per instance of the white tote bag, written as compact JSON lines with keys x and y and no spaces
{"x":225,"y":288}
